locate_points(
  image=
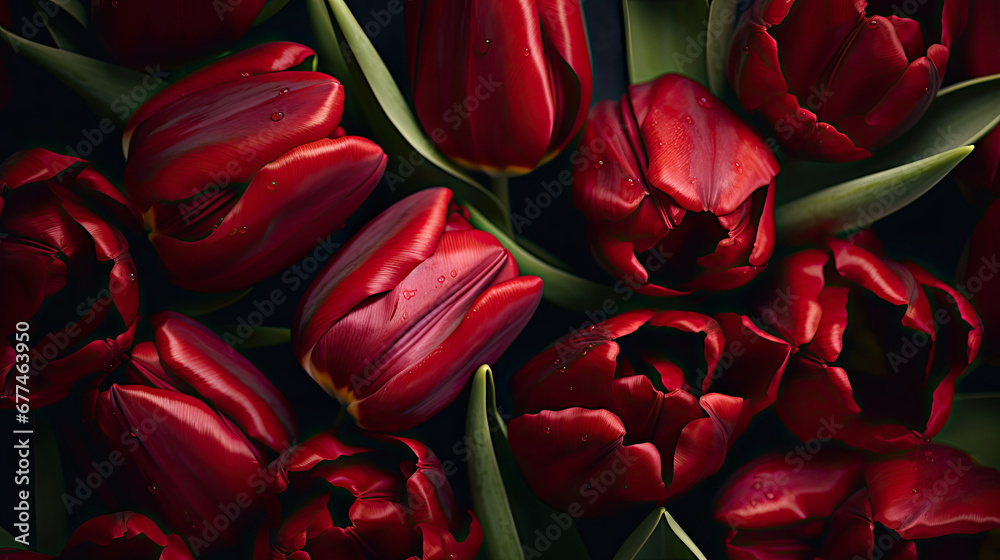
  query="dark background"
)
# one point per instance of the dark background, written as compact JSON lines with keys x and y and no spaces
{"x":42,"y":112}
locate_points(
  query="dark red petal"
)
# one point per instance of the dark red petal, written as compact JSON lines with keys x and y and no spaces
{"x":569,"y":60}
{"x":932,"y":491}
{"x":269,"y":57}
{"x":751,"y":364}
{"x":703,"y":443}
{"x":564,"y":455}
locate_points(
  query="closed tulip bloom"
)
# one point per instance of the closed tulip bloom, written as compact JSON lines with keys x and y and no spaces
{"x":837,"y":79}
{"x":198,"y":423}
{"x":241,"y":166}
{"x":976,"y":57}
{"x":392,"y":501}
{"x":639,"y":408}
{"x":69,"y":297}
{"x":403,"y":315}
{"x":499,"y":85}
{"x":169,"y":32}
{"x":116,"y":536}
{"x":878,"y":346}
{"x":679,"y":195}
{"x":979,"y":279}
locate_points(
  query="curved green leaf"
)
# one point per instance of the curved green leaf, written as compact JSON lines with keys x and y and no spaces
{"x":271,"y":8}
{"x":559,"y":287}
{"x":489,"y":498}
{"x":721,"y":19}
{"x":99,"y":83}
{"x":659,"y":537}
{"x":974,"y":427}
{"x":414,"y":161}
{"x":664,"y":37}
{"x":959,"y":116}
{"x":858,"y":203}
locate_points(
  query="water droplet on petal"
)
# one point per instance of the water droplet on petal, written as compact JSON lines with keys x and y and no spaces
{"x":913,"y":490}
{"x":277,"y":116}
{"x":408,"y":294}
{"x":483,"y":47}
{"x":243,"y":229}
{"x":527,"y":52}
{"x":872,"y":23}
{"x":562,"y":369}
{"x":114,"y":3}
{"x":598,"y":164}
{"x":440,"y":279}
{"x":753,"y":502}
{"x":153,"y":488}
{"x":584,"y":437}
{"x":232,"y":231}
{"x":927,"y":90}
{"x":405,"y":315}
{"x":217,"y":224}
{"x":555,"y":362}
{"x":739,"y":168}
{"x":570,"y":387}
{"x":132,"y":432}
{"x":283,"y":91}
{"x":746,"y":48}
{"x":689,"y":120}
{"x":131,"y":276}
{"x":704,"y":102}
{"x":245,"y":74}
{"x":770,"y":495}
{"x":272,"y":186}
{"x":454,"y":273}
{"x":548,"y":430}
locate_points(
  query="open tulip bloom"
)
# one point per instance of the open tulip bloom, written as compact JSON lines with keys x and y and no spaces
{"x":734,"y":292}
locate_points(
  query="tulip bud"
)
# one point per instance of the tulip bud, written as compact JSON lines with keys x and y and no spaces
{"x":403,"y":315}
{"x":198,"y":424}
{"x":241,"y":167}
{"x":679,"y":191}
{"x":518,"y":81}
{"x":835,"y":82}
{"x":69,"y":294}
{"x":392,"y":501}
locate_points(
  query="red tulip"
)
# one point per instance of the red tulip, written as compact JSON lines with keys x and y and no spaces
{"x":172,"y":32}
{"x":833,"y":81}
{"x":517,"y":85}
{"x":403,"y":315}
{"x":69,"y":279}
{"x":240,"y":167}
{"x":124,"y":536}
{"x":639,"y":408}
{"x":879,"y":345}
{"x":393,"y":502}
{"x":838,"y":506}
{"x":976,"y":58}
{"x":777,"y":506}
{"x":680,"y":196}
{"x":197,"y":424}
{"x":980,"y":279}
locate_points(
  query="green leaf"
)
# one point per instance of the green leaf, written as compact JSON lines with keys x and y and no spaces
{"x":721,"y":17}
{"x":659,"y":537}
{"x":559,"y":287}
{"x":271,"y":8}
{"x":7,"y":540}
{"x":74,"y":8}
{"x":99,"y":83}
{"x":974,"y":427}
{"x":665,"y":36}
{"x":68,"y":32}
{"x":489,"y":498}
{"x":858,"y":203}
{"x":346,"y":50}
{"x":959,"y":116}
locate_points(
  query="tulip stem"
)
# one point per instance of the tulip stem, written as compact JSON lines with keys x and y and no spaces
{"x":500,"y":186}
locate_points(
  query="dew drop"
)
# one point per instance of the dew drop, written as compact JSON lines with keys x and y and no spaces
{"x":629,"y":181}
{"x":114,"y":3}
{"x":273,"y":186}
{"x":454,"y":273}
{"x":753,"y":502}
{"x":913,"y":490}
{"x":408,"y":294}
{"x":440,"y":279}
{"x":739,"y":168}
{"x":555,"y":362}
{"x":243,"y":229}
{"x":704,"y":102}
{"x":562,"y":369}
{"x":283,"y":91}
{"x":593,"y":327}
{"x":548,"y":430}
{"x":570,"y":387}
{"x":927,"y":90}
{"x":405,"y":315}
{"x":689,"y":120}
{"x":872,"y":24}
{"x":131,"y":276}
{"x":527,"y":52}
{"x":153,"y":489}
{"x":277,"y":116}
{"x":217,"y":224}
{"x":132,"y":432}
{"x":584,"y":437}
{"x":483,"y":47}
{"x":746,"y":48}
{"x":245,"y":74}
{"x":598,"y":164}
{"x":232,"y":231}
{"x":770,"y":495}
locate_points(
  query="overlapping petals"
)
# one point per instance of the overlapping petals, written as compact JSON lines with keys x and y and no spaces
{"x":878,"y":343}
{"x":519,"y":81}
{"x":639,"y":408}
{"x":835,"y":80}
{"x":390,"y":501}
{"x":68,"y":275}
{"x":241,"y":167}
{"x":679,"y":196}
{"x":400,"y":319}
{"x":198,"y":423}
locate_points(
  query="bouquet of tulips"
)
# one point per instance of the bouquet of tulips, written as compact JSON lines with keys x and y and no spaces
{"x":500,"y":279}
